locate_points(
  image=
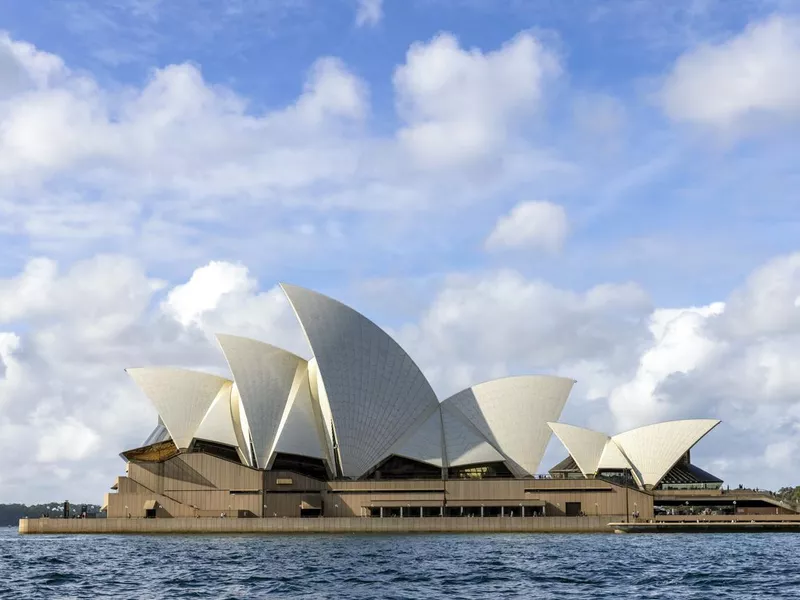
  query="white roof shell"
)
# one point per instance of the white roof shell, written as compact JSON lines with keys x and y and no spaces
{"x":512,"y":415}
{"x":182,"y":397}
{"x":447,"y":439}
{"x":654,"y":449}
{"x":585,"y":446}
{"x":649,"y":451}
{"x":424,"y":443}
{"x":613,"y":458}
{"x":465,"y":444}
{"x":241,"y":427}
{"x":265,"y":377}
{"x":374,"y":390}
{"x":300,"y":430}
{"x":217,"y":424}
{"x":322,"y":410}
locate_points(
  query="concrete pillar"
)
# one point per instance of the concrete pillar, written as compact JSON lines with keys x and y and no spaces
{"x":502,"y":511}
{"x":420,"y":512}
{"x":401,"y":512}
{"x":381,"y":509}
{"x":522,"y":511}
{"x":481,"y":510}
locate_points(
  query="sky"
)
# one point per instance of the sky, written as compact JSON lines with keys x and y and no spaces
{"x":606,"y":191}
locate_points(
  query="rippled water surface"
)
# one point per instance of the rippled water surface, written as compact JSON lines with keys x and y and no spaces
{"x":715,"y":567}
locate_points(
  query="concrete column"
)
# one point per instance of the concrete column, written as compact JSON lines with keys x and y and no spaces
{"x":401,"y":512}
{"x":420,"y":512}
{"x":502,"y":511}
{"x":381,"y":509}
{"x":522,"y":511}
{"x":481,"y":510}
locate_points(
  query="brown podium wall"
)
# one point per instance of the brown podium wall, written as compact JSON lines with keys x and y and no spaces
{"x":192,"y":484}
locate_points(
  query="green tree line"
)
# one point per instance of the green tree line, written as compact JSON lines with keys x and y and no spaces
{"x":789,"y":494}
{"x":10,"y":514}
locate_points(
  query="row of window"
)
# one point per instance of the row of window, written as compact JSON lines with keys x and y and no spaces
{"x":454,"y":511}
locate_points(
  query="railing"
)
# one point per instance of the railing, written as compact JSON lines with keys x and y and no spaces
{"x":725,"y":518}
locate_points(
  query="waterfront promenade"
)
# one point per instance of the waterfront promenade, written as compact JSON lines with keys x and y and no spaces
{"x":596,"y":524}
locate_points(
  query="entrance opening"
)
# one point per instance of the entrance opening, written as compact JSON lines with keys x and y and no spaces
{"x":310,"y":513}
{"x":573,"y":509}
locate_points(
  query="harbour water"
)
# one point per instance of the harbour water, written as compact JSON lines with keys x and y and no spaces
{"x":713,"y":566}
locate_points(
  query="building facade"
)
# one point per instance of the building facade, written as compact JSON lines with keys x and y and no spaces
{"x":357,"y":430}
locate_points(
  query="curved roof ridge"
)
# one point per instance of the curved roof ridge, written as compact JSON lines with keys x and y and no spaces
{"x":666,"y":422}
{"x":375,"y":390}
{"x":251,"y":339}
{"x":510,"y":377}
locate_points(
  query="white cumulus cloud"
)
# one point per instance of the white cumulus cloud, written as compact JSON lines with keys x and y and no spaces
{"x":460,"y":104}
{"x":369,"y":12}
{"x":753,"y":74}
{"x":530,"y":225}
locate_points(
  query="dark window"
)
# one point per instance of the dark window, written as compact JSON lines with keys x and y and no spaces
{"x":622,"y":477}
{"x":215,"y":449}
{"x":573,"y":509}
{"x":400,"y":467}
{"x":480,"y":471}
{"x":302,"y":465}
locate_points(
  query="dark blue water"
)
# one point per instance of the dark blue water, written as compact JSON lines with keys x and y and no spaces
{"x":718,"y":567}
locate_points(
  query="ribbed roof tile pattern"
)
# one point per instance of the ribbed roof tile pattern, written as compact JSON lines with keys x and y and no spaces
{"x":464,"y":443}
{"x":375,"y":390}
{"x":512,"y":413}
{"x":654,"y":449}
{"x":264,"y":376}
{"x":425,"y":442}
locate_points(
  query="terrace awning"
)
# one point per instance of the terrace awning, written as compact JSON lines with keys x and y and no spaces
{"x":404,"y":503}
{"x":509,"y":503}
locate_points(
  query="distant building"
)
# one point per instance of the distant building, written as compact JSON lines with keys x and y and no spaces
{"x":357,"y":430}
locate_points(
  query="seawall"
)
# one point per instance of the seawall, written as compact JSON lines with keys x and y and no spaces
{"x":597,"y":524}
{"x":734,"y":526}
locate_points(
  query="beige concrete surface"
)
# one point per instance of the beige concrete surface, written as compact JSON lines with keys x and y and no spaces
{"x":320,"y":525}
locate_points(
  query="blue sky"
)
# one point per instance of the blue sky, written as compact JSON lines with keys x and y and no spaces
{"x":656,"y":203}
{"x":508,"y":186}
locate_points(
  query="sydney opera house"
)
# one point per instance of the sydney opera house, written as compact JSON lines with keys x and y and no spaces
{"x":358,"y":431}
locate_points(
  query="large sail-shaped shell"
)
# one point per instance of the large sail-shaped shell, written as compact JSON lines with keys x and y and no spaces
{"x":374,"y":390}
